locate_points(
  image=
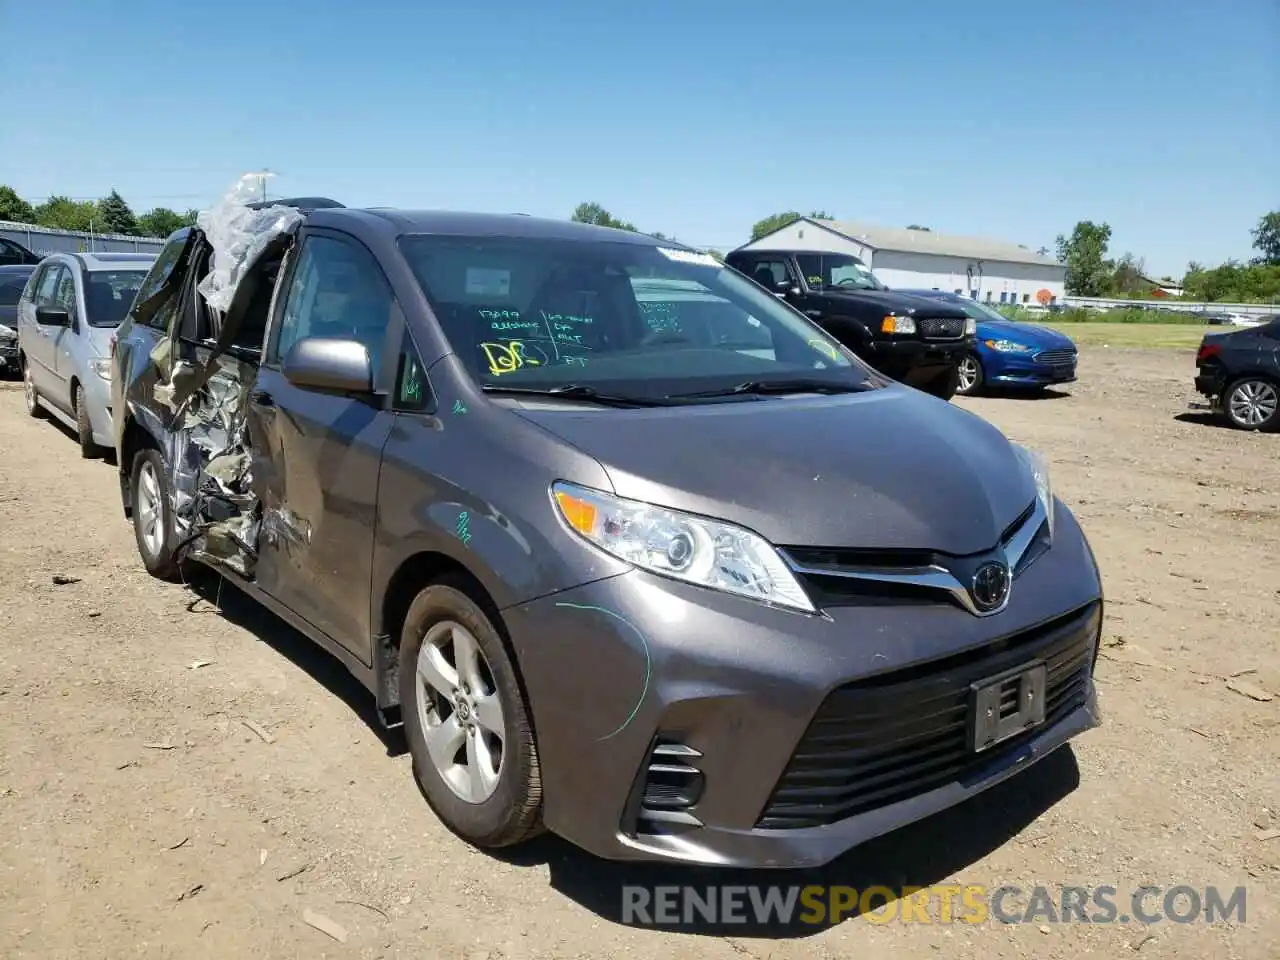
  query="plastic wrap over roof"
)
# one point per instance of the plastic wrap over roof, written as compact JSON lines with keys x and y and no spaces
{"x":238,"y":234}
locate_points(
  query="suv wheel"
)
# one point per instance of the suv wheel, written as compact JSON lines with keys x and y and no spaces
{"x":473,"y":748}
{"x":1253,"y":403}
{"x":944,"y":385}
{"x":29,"y":392}
{"x":969,"y":375}
{"x":153,"y":516}
{"x":84,"y":429}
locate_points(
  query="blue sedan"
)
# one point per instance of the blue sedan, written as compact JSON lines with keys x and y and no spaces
{"x":1008,"y":353}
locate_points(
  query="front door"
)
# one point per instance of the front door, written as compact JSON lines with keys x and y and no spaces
{"x":40,"y":340}
{"x":316,"y":455}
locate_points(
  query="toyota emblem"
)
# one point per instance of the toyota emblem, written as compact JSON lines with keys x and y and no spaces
{"x":990,"y":587}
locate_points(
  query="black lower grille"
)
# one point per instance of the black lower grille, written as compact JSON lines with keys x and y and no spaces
{"x":940,"y":328}
{"x":670,"y":785}
{"x":884,"y":740}
{"x":1056,"y":358}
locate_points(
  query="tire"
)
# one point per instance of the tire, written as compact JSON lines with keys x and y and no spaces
{"x":149,"y":483}
{"x":1253,"y":403}
{"x":84,"y":429}
{"x":944,"y":385}
{"x":970,"y":377}
{"x":486,"y":811}
{"x":30,"y":393}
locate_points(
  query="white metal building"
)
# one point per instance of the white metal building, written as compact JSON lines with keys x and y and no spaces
{"x":986,"y":270}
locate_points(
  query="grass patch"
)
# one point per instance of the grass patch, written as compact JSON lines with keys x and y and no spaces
{"x":1124,"y":315}
{"x":1129,"y":334}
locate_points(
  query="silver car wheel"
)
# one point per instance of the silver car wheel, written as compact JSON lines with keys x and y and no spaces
{"x":1252,"y":403}
{"x":29,"y":388}
{"x":968,"y":373}
{"x":150,"y":509}
{"x":460,"y":712}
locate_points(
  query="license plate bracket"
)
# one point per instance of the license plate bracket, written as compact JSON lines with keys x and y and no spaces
{"x":1006,"y":704}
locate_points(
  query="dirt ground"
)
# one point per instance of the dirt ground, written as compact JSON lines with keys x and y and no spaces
{"x":142,"y":815}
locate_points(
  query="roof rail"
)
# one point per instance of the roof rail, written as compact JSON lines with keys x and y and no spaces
{"x":300,"y":203}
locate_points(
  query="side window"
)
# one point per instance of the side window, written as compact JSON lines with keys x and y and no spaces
{"x":337,"y":290}
{"x":9,"y":253}
{"x":163,"y":267}
{"x":64,"y":294}
{"x":772,"y":273}
{"x":413,"y":392}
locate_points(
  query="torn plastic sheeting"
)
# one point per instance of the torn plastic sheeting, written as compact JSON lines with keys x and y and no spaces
{"x":238,"y":234}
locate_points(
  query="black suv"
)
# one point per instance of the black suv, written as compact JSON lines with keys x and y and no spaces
{"x":917,"y":341}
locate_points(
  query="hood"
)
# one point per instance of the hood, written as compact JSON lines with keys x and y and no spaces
{"x":901,"y":304}
{"x":892,"y":468}
{"x":1041,"y":337}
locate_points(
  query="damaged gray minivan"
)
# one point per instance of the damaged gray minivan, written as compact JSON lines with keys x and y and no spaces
{"x":633,"y":550}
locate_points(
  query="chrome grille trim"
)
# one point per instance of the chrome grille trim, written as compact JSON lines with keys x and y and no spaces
{"x":1013,"y":550}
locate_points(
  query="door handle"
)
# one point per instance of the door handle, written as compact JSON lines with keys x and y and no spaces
{"x":261,"y":398}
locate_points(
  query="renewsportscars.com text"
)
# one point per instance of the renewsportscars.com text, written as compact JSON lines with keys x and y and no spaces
{"x":971,"y":904}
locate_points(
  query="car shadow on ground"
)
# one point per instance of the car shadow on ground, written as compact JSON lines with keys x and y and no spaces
{"x":1204,"y":418}
{"x":211,"y":594}
{"x":1013,"y":393}
{"x":105,"y":454}
{"x":918,"y":855}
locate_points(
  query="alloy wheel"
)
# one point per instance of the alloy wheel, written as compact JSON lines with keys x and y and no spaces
{"x":460,"y":711}
{"x":1253,"y":403}
{"x":29,"y":389}
{"x":150,"y":509}
{"x":969,"y":373}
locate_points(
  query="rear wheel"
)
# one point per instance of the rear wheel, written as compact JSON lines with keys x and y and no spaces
{"x":153,"y":516}
{"x":29,"y":392}
{"x":1253,"y":403}
{"x":466,"y":722}
{"x":969,"y":375}
{"x":84,"y":428}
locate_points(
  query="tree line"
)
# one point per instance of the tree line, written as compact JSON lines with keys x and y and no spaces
{"x":1091,"y":273}
{"x":111,"y":214}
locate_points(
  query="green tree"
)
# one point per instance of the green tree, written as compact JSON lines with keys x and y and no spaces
{"x":595,"y":213}
{"x":1085,"y":256}
{"x":160,"y":222}
{"x":916,"y":226}
{"x":64,"y":213}
{"x":775,"y":222}
{"x":14,"y":208}
{"x":114,"y":216}
{"x":717,"y":254}
{"x":1126,"y":277}
{"x":1266,"y":239}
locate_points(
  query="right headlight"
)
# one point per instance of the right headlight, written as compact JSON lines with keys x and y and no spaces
{"x":697,"y":550}
{"x":892,"y":324}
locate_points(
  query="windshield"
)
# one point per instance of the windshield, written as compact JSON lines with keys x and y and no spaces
{"x":108,"y":295}
{"x":620,"y":318}
{"x":837,"y":270}
{"x":979,"y":311}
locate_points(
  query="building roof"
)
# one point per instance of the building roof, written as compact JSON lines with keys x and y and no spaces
{"x":902,"y":240}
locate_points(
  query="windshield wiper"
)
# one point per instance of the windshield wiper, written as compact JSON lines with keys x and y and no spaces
{"x":767,"y":387}
{"x":576,"y":391}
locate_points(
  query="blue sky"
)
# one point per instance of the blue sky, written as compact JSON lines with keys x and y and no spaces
{"x":1001,"y":118}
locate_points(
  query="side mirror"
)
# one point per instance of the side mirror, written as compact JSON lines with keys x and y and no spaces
{"x":321,"y":363}
{"x":53,"y":317}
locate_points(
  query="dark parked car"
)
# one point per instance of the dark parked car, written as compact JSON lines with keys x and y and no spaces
{"x":633,"y":551}
{"x":13,"y":280}
{"x":916,"y":341}
{"x":1239,"y":371}
{"x":14,"y":254}
{"x":1008,"y":353}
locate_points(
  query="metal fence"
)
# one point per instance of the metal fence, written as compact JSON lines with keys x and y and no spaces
{"x":1182,"y":306}
{"x":47,"y":240}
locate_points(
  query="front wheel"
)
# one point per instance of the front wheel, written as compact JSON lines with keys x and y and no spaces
{"x":84,"y":427}
{"x":969,"y":375}
{"x":29,"y":392}
{"x":473,"y":747}
{"x":944,"y":385}
{"x":1253,"y":403}
{"x":153,"y":516}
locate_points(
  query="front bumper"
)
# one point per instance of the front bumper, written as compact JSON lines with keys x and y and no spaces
{"x":730,"y":688}
{"x":9,"y":354}
{"x":901,"y":357}
{"x":1013,"y":369}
